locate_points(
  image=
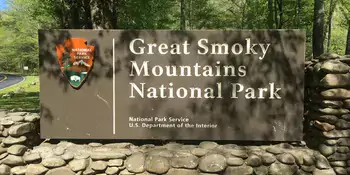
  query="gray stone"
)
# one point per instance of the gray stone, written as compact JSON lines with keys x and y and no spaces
{"x":342,"y":124}
{"x":3,"y":155}
{"x":60,"y":171}
{"x":115,"y":162}
{"x":17,"y":118}
{"x":17,"y":113}
{"x":340,"y":170}
{"x":253,"y":161}
{"x":337,"y":134}
{"x":32,"y":157}
{"x":331,"y":142}
{"x":332,"y":119}
{"x":53,"y":162}
{"x":261,"y":170}
{"x":268,"y":158}
{"x":107,"y":155}
{"x":157,"y":164}
{"x":286,"y":158}
{"x":282,"y":169}
{"x":31,"y":118}
{"x":136,"y":163}
{"x":161,"y":152}
{"x":12,"y":160}
{"x":309,"y":169}
{"x":338,"y":163}
{"x":82,"y":156}
{"x":344,"y":141}
{"x":326,"y":150}
{"x":188,"y":162}
{"x":126,"y":172}
{"x":94,"y":144}
{"x":58,"y":151}
{"x":5,"y":170}
{"x":19,"y":170}
{"x":99,"y":165}
{"x":337,"y":156}
{"x":275,"y":150}
{"x":234,"y":161}
{"x":323,"y":172}
{"x":337,"y":93}
{"x":17,"y":150}
{"x":332,"y":111}
{"x":78,"y":165}
{"x":6,"y":122}
{"x":331,"y":103}
{"x":173,"y":171}
{"x":67,"y":156}
{"x":18,"y":130}
{"x":208,"y":145}
{"x":199,"y":152}
{"x":14,"y":140}
{"x":239,"y":170}
{"x":89,"y":171}
{"x":345,"y":117}
{"x":3,"y":150}
{"x":238,"y":153}
{"x":322,"y":162}
{"x":212,"y":163}
{"x":343,"y":149}
{"x":36,"y":169}
{"x":335,"y":80}
{"x":112,"y":170}
{"x":308,"y":160}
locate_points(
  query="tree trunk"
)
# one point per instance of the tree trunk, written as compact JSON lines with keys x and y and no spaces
{"x":87,"y":14}
{"x":331,"y":10}
{"x":347,"y":49}
{"x":280,"y":8}
{"x":270,"y":17}
{"x":276,"y":13}
{"x":183,"y":17}
{"x":317,"y":37}
{"x":299,"y":12}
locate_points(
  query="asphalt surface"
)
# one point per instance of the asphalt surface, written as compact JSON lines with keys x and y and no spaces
{"x":9,"y":81}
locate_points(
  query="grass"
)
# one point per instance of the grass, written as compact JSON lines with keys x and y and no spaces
{"x":27,"y":100}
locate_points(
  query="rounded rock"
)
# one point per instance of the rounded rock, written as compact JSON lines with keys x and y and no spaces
{"x":60,"y":171}
{"x":234,"y":161}
{"x":36,"y":169}
{"x":13,"y":160}
{"x":253,"y":161}
{"x":53,"y":162}
{"x":268,"y":158}
{"x":282,"y":169}
{"x":17,"y":150}
{"x":326,"y":150}
{"x":112,"y":170}
{"x":18,"y":170}
{"x":187,"y":162}
{"x":115,"y":162}
{"x":78,"y":165}
{"x":199,"y":152}
{"x":212,"y":163}
{"x":286,"y":158}
{"x":239,"y":170}
{"x":99,"y":165}
{"x":157,"y":164}
{"x":5,"y":170}
{"x":32,"y":157}
{"x":136,"y":163}
{"x":208,"y":145}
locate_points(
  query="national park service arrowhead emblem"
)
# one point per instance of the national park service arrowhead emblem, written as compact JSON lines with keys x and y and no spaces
{"x":75,"y":59}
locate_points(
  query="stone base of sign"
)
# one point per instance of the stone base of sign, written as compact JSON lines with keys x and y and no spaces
{"x":19,"y":155}
{"x":327,"y":108}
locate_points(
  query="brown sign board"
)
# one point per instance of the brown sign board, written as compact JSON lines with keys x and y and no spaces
{"x":173,"y":85}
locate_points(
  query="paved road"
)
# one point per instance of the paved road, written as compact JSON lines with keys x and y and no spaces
{"x":10,"y":80}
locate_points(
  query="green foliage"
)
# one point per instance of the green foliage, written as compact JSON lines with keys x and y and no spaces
{"x":19,"y":24}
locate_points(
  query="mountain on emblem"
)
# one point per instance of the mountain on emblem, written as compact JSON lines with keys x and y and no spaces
{"x":75,"y":59}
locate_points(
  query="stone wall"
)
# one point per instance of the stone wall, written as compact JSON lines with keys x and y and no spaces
{"x":327,"y":104}
{"x":19,"y":155}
